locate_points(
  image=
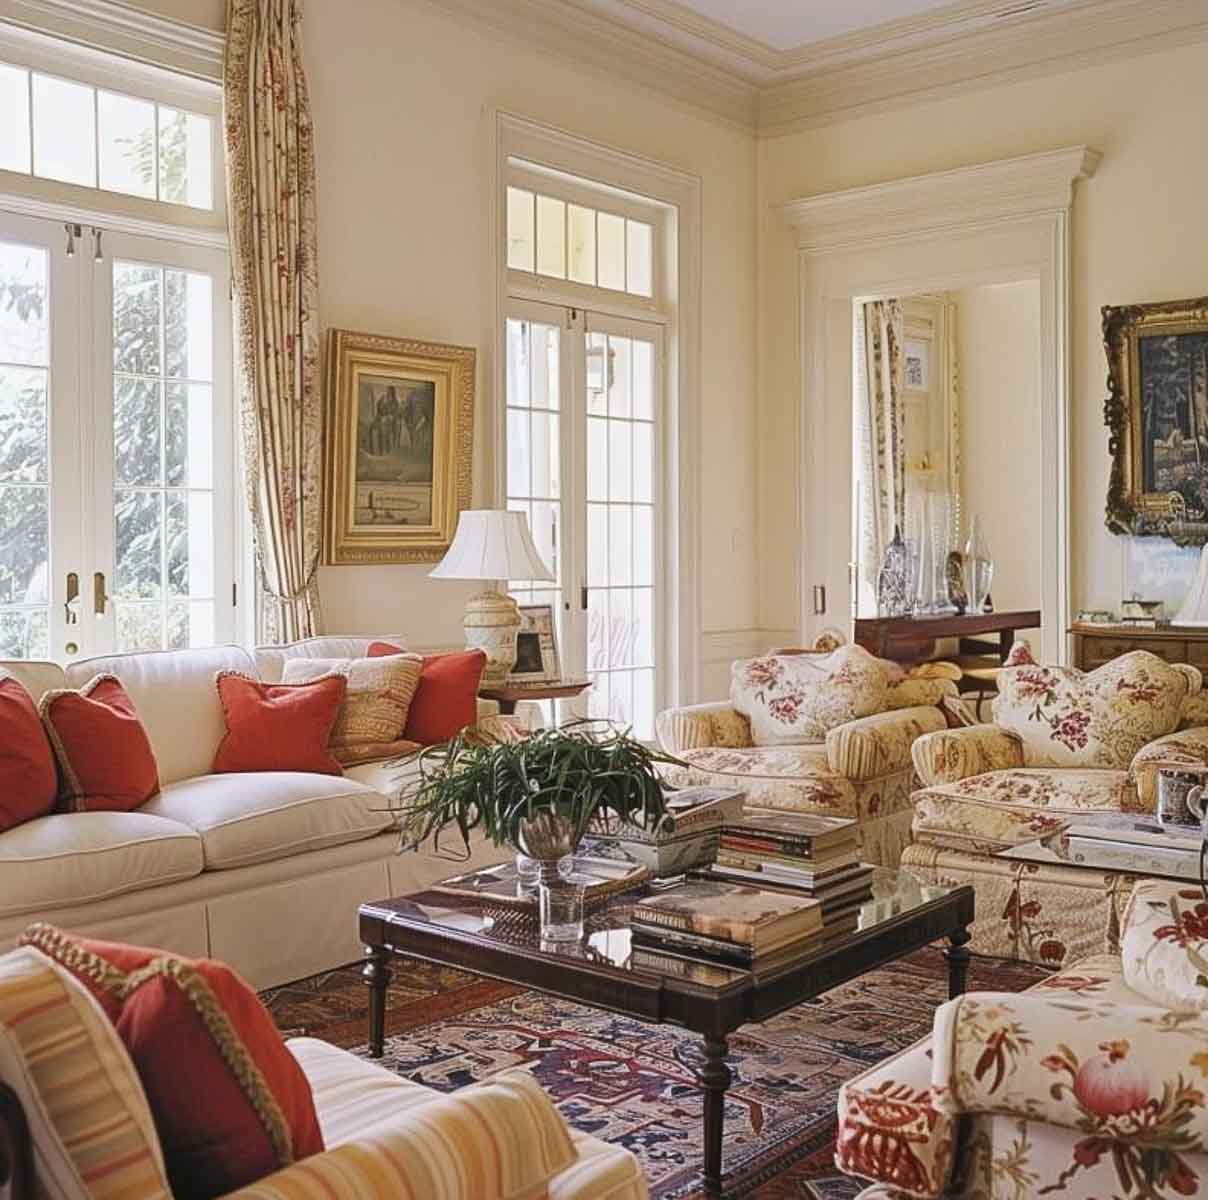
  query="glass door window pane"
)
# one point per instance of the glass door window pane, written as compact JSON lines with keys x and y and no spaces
{"x":24,"y":451}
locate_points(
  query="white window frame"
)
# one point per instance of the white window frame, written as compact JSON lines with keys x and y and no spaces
{"x":526,"y":151}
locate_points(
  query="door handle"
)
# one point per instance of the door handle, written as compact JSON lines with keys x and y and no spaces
{"x":99,"y":599}
{"x":71,"y":615}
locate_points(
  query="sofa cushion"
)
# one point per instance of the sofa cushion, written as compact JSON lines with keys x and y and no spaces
{"x":268,"y":815}
{"x":173,"y":691}
{"x":92,"y":1130}
{"x":1000,"y":809}
{"x":446,"y":700}
{"x":231,"y":1104}
{"x":105,"y":757}
{"x":278,"y":726}
{"x":1165,"y":945}
{"x":29,"y":783}
{"x":68,"y":859}
{"x":271,"y":660}
{"x":36,"y":677}
{"x":1070,"y":718}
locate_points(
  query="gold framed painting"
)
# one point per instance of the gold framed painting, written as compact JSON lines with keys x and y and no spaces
{"x":400,"y":447}
{"x":1157,"y":418}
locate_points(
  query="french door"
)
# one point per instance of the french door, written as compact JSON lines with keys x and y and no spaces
{"x":584,"y":461}
{"x":116,"y":471}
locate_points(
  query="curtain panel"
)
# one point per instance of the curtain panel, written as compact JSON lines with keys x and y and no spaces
{"x":881,"y":431}
{"x":274,"y":261}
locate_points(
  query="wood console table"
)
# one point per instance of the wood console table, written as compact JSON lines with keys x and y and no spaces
{"x":1095,"y":644}
{"x":912,"y":639}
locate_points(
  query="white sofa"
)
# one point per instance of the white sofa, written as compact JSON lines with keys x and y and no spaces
{"x":263,"y":871}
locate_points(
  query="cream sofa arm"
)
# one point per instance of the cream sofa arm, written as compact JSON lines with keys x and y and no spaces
{"x":872,"y":747}
{"x":1085,"y":1064}
{"x":1188,"y":746}
{"x":700,"y":726}
{"x":500,"y":1140}
{"x":954,"y":754}
{"x":910,"y":692}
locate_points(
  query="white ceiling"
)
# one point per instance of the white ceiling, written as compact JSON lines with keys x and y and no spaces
{"x":787,"y":24}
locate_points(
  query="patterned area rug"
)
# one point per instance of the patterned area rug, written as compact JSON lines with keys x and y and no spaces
{"x":632,"y":1083}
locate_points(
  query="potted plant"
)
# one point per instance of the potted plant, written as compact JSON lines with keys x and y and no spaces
{"x":538,"y":794}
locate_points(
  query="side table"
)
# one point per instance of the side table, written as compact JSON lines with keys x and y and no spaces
{"x":508,"y":695}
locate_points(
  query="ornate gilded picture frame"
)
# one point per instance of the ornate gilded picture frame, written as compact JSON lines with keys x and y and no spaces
{"x":1156,"y":413}
{"x":399,"y":444}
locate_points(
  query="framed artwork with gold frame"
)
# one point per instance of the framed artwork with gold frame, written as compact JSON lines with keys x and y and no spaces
{"x":1157,"y":418}
{"x":400,"y":438}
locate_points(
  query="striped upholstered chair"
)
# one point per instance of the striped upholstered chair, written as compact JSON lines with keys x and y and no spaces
{"x":75,"y":1122}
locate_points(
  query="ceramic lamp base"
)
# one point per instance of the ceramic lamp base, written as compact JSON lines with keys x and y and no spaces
{"x":491,"y":624}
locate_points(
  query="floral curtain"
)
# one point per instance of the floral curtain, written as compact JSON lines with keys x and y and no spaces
{"x":881,"y":430}
{"x":271,"y":202}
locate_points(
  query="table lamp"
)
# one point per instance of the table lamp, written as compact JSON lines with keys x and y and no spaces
{"x":492,"y":544}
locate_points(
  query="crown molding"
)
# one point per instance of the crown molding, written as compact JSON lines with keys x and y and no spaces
{"x":1008,"y":189}
{"x":119,"y":29}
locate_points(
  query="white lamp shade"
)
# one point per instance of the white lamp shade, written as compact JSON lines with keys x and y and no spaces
{"x":492,"y":544}
{"x":1195,"y":606}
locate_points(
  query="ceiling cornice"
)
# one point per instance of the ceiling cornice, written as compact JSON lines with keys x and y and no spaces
{"x":669,"y":48}
{"x":1004,"y":190}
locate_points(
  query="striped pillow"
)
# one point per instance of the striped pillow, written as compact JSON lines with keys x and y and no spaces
{"x":93,"y":1135}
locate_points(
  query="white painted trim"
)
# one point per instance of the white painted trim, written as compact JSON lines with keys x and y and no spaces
{"x":519,"y":137}
{"x":926,"y":234}
{"x":946,"y":200}
{"x":117,"y":28}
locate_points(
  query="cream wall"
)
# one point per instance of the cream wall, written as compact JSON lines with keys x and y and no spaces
{"x":402,"y":96}
{"x":1137,"y":236}
{"x":997,"y":339}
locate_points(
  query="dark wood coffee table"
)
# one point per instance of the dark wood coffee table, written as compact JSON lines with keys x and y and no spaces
{"x":712,"y":1001}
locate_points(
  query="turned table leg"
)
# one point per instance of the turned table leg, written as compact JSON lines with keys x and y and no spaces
{"x":958,"y":957}
{"x":715,"y":1078}
{"x":376,"y":974}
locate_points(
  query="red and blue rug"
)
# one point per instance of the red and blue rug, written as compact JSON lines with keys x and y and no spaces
{"x":632,"y":1083}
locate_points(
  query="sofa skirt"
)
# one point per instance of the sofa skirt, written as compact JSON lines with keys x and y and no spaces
{"x":1046,"y":914}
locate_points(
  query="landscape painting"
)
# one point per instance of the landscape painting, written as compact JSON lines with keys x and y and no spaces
{"x":399,"y":447}
{"x":396,"y":419}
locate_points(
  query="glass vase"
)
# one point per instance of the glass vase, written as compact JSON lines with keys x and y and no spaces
{"x":560,"y":904}
{"x":979,"y":566}
{"x":893,"y":579}
{"x":528,"y":871}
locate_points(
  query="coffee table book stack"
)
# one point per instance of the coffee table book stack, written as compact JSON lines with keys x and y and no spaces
{"x":799,"y":854}
{"x":726,"y":923}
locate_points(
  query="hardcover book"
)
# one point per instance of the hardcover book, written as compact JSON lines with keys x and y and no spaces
{"x":801,"y":834}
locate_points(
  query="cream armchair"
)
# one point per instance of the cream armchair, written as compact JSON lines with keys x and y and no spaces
{"x":861,"y":768}
{"x":1092,"y":1084}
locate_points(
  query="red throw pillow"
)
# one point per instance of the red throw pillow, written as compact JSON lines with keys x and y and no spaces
{"x":278,"y":726}
{"x":105,"y":757}
{"x":231,"y":1104}
{"x":28,"y":780}
{"x":446,"y":701}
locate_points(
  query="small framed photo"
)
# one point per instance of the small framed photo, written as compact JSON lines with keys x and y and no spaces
{"x":536,"y":646}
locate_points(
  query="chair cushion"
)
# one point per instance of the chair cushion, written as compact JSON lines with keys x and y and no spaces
{"x":67,"y":859}
{"x":1165,"y":945}
{"x":1000,"y":809}
{"x":278,"y":726}
{"x":267,"y":815}
{"x":796,"y":699}
{"x":379,"y":696}
{"x":29,"y":783}
{"x":446,"y":701}
{"x":230,"y":1102}
{"x":89,"y":1121}
{"x":1070,"y":718}
{"x":105,"y":759}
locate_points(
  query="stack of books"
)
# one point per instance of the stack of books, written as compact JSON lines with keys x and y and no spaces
{"x":1128,"y":842}
{"x":726,"y":923}
{"x":799,"y":853}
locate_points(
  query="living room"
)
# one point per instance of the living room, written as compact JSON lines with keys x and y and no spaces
{"x":403,"y":399}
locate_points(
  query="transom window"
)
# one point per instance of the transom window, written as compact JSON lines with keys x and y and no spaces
{"x":72,"y":132}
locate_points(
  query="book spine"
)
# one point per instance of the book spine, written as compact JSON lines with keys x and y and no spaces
{"x":687,"y":943}
{"x":733,"y":932}
{"x":1120,"y":856}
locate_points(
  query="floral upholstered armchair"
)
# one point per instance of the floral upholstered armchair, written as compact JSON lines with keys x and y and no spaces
{"x":825,"y":731}
{"x":1091,"y":1084}
{"x":1063,"y":743}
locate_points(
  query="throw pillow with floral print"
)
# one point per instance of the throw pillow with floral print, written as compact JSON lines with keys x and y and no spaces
{"x":1071,"y":718}
{"x":795,"y":700}
{"x":1165,"y":944}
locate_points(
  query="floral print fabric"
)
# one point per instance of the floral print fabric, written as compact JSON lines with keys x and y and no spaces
{"x":880,"y":744}
{"x":1188,"y":747}
{"x":1165,"y":945}
{"x":700,"y":726}
{"x":1070,"y":718}
{"x":797,"y":699}
{"x":954,"y":754}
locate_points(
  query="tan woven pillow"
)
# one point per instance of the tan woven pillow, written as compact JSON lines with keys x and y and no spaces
{"x":380,"y":691}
